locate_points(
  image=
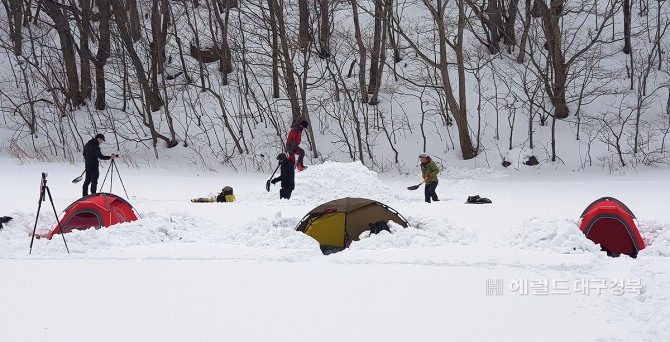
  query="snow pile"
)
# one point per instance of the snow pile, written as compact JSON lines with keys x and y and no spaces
{"x":560,"y":236}
{"x":656,"y":238}
{"x":326,"y":182}
{"x":263,"y":232}
{"x":155,"y":228}
{"x":421,"y":233}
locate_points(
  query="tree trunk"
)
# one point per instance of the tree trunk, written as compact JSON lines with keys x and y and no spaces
{"x":160,"y":18}
{"x":626,"y":26}
{"x":134,"y":23}
{"x":376,"y":47}
{"x":289,"y":76}
{"x":552,"y":33}
{"x":84,"y":52}
{"x":15,"y":10}
{"x":62,"y":26}
{"x":303,"y":34}
{"x":510,"y":22}
{"x":225,"y":60}
{"x":275,"y":49}
{"x":154,"y":99}
{"x":524,"y":36}
{"x":496,"y":28}
{"x":362,"y":53}
{"x":324,"y":37}
{"x":102,"y":54}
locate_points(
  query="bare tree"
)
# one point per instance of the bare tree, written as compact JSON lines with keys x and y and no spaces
{"x":60,"y":22}
{"x":555,"y":83}
{"x":15,"y":11}
{"x":456,"y":99}
{"x":289,"y":77}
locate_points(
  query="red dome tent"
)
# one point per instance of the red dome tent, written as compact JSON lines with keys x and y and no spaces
{"x":96,"y":210}
{"x":609,"y":222}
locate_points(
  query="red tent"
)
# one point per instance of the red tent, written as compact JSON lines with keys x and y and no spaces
{"x":96,"y":210}
{"x":610,"y":223}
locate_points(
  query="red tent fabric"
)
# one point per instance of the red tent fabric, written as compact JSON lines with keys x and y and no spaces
{"x":610,"y":223}
{"x":96,"y":210}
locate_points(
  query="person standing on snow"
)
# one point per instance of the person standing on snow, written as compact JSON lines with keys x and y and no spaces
{"x":91,"y":155}
{"x":287,"y":176}
{"x":293,"y":142}
{"x":429,"y":172}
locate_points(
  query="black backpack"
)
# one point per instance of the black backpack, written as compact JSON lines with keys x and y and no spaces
{"x":4,"y":219}
{"x":377,"y":227}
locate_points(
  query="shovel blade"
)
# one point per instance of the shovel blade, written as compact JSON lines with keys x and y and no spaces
{"x":76,"y":180}
{"x":413,"y":187}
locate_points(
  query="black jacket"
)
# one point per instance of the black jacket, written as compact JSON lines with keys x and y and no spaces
{"x":92,"y":153}
{"x":287,"y":176}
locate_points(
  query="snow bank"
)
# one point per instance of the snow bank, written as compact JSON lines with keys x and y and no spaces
{"x":326,"y":182}
{"x":656,"y":238}
{"x":559,"y":236}
{"x":155,"y":228}
{"x":423,"y":232}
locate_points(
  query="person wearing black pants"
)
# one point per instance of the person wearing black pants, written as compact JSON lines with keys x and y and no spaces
{"x":287,"y":176}
{"x":91,"y":155}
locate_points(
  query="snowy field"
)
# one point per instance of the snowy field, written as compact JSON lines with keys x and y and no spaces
{"x":517,"y":269}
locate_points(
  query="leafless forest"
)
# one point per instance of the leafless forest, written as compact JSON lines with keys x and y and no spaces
{"x":222,"y":80}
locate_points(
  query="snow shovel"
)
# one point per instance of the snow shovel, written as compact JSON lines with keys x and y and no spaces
{"x":267,"y":184}
{"x":414,"y":187}
{"x":78,"y":179}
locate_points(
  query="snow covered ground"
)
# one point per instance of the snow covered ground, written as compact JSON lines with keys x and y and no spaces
{"x":517,"y":269}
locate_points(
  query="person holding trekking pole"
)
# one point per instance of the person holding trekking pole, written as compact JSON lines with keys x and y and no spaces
{"x":429,"y":172}
{"x":91,"y":156}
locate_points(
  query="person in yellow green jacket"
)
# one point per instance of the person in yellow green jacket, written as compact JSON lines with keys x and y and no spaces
{"x":429,"y":172}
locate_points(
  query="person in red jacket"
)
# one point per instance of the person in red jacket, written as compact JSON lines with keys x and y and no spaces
{"x":293,"y":142}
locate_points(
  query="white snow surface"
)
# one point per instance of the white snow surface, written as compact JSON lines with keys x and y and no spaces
{"x":517,"y":269}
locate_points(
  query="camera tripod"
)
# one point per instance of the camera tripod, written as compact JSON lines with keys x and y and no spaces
{"x":44,"y":189}
{"x":110,"y":170}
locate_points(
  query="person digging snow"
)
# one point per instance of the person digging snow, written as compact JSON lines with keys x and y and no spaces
{"x":293,"y":142}
{"x":429,"y":172}
{"x":287,"y":176}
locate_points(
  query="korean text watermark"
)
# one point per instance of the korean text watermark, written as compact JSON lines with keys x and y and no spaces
{"x":547,"y":287}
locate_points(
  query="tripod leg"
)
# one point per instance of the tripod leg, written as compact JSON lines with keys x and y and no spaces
{"x":111,"y":177}
{"x":60,"y":228}
{"x":39,"y":206}
{"x":119,"y":174}
{"x":104,"y":180}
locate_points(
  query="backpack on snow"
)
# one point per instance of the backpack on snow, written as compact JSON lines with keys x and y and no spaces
{"x":226,"y":195}
{"x":377,"y":227}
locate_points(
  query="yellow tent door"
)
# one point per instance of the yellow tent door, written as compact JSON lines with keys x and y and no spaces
{"x":328,"y":229}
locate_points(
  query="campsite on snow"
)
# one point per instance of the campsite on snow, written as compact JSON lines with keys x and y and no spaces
{"x":298,"y":171}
